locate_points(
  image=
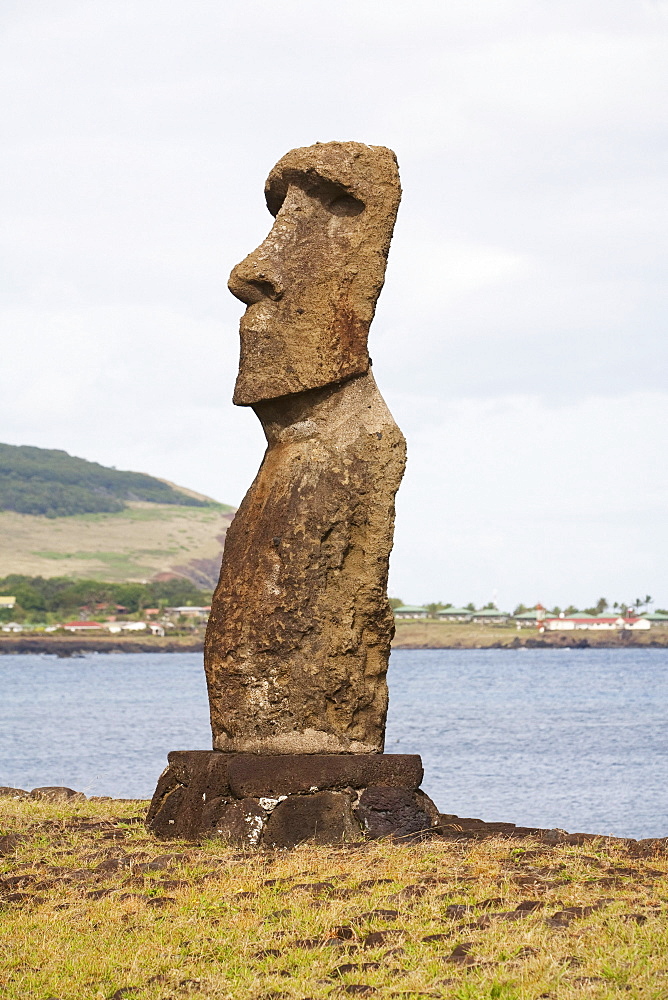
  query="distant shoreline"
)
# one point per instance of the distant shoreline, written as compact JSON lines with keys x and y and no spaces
{"x":66,"y":646}
{"x":410,"y":635}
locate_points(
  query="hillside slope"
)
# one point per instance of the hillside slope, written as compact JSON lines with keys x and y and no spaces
{"x":50,"y":482}
{"x":133,"y":527}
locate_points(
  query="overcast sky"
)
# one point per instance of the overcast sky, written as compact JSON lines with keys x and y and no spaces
{"x":520,"y":340}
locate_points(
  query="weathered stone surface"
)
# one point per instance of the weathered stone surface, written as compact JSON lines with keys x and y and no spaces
{"x":239,"y":822}
{"x":55,"y":793}
{"x":204,"y":771}
{"x":299,"y":634}
{"x":395,"y":812}
{"x":311,"y":287}
{"x":7,"y":792}
{"x":194,"y":791}
{"x":324,"y":818}
{"x":251,"y":800}
{"x":252,"y":774}
{"x":192,"y":778}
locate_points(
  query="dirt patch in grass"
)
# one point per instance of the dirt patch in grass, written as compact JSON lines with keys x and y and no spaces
{"x":91,"y":906}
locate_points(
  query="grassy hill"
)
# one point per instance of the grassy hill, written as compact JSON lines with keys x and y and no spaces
{"x":52,"y":483}
{"x":64,"y":516}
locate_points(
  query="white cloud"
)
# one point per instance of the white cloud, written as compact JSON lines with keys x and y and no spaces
{"x":145,"y":389}
{"x":434,"y":273}
{"x":537,"y":502}
{"x":526,"y":286}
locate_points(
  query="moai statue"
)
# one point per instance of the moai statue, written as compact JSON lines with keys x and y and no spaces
{"x":299,"y":635}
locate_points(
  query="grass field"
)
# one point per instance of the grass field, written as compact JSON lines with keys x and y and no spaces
{"x":134,"y":544}
{"x":94,"y":907}
{"x":432,"y":634}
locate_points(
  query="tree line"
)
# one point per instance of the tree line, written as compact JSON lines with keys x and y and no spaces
{"x":639,"y":606}
{"x":49,"y":482}
{"x":59,"y":598}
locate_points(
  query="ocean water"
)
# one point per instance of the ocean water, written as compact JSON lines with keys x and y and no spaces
{"x":571,"y":738}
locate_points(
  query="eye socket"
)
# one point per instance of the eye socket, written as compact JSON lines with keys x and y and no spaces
{"x":345,"y":204}
{"x":335,"y":198}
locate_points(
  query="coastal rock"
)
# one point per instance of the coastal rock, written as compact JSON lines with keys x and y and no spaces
{"x":7,"y":792}
{"x":299,"y":635}
{"x":55,"y":793}
{"x":9,"y":842}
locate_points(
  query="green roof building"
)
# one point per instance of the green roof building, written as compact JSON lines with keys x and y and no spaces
{"x":656,"y":618}
{"x":490,"y":616}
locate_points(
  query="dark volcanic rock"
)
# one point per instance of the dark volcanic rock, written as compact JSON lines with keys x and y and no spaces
{"x":239,"y":822}
{"x":55,"y":793}
{"x":324,"y":817}
{"x":192,"y":780}
{"x":9,"y":842}
{"x":8,"y":792}
{"x":395,"y":812}
{"x":198,"y":794}
{"x":251,"y":774}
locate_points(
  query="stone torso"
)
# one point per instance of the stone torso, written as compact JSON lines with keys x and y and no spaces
{"x":298,"y":640}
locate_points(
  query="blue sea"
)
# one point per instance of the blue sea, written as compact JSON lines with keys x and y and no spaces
{"x":576,"y":739}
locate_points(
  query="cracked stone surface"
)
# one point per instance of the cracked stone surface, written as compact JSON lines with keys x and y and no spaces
{"x":282,"y":800}
{"x":299,"y":635}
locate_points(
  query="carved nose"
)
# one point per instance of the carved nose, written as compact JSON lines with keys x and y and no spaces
{"x":251,"y":281}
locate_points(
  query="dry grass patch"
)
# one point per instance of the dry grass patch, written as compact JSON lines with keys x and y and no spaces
{"x":91,"y":906}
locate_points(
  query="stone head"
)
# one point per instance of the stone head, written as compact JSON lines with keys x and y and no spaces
{"x":311,"y":286}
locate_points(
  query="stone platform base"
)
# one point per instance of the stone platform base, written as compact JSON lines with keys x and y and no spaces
{"x":280,"y":801}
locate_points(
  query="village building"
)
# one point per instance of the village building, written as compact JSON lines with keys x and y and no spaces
{"x":490,"y":616}
{"x":7,"y":603}
{"x":189,"y":611}
{"x":656,"y":618}
{"x":115,"y":627}
{"x":454,"y":614}
{"x":126,"y":626}
{"x":82,"y":626}
{"x":411,"y":611}
{"x":581,"y":620}
{"x":533,"y":618}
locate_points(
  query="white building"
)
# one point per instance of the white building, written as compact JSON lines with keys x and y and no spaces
{"x":580,"y":620}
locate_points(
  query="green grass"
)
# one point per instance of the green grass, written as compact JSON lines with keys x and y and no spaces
{"x":211,"y":921}
{"x":433,"y":634}
{"x":135,"y":544}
